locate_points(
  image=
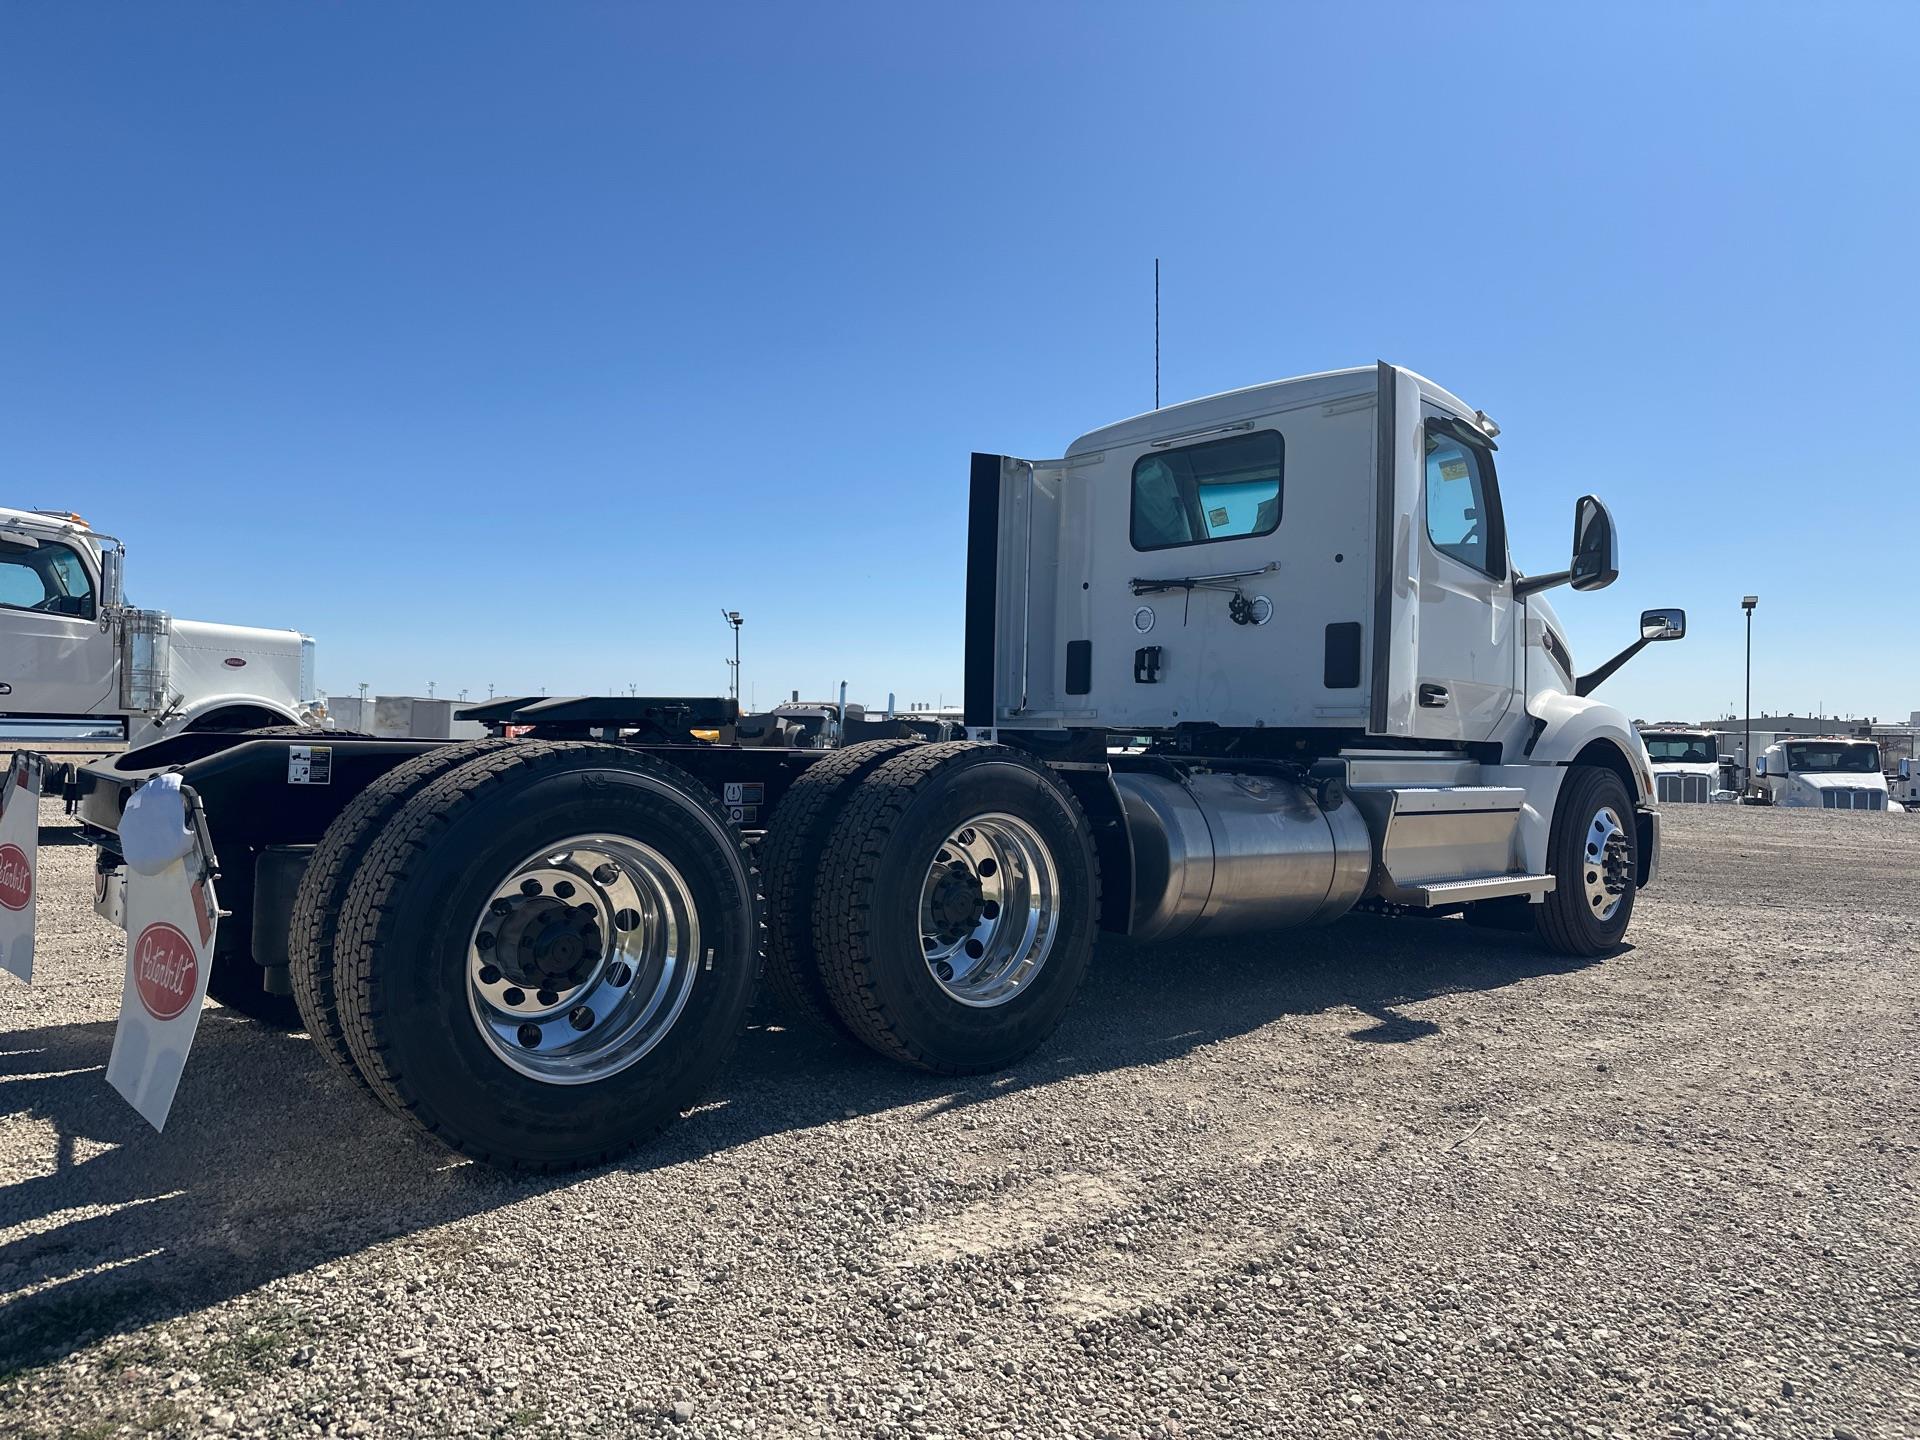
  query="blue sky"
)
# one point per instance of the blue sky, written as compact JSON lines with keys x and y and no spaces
{"x":507,"y":344}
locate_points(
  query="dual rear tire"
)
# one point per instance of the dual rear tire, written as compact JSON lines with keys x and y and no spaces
{"x":539,"y":953}
{"x":936,"y":902}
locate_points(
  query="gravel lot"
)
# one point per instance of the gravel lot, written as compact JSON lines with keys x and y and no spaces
{"x":1392,"y":1178}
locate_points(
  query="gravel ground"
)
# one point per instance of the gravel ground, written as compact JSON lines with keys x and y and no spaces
{"x":1391,"y":1178}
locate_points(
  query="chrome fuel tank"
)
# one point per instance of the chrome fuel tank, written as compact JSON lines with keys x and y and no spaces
{"x":1215,"y":853}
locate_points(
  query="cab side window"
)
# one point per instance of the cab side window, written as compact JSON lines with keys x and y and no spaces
{"x":1463,"y":504}
{"x":46,"y":577}
{"x":1219,"y":490}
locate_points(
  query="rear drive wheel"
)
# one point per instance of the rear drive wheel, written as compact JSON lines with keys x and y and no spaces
{"x":547,"y":953}
{"x":1593,"y":855}
{"x":956,"y":907}
{"x":790,"y":863}
{"x":323,"y":889}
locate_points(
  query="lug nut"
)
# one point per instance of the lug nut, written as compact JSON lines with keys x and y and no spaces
{"x":564,"y":889}
{"x":529,"y":886}
{"x":489,"y":974}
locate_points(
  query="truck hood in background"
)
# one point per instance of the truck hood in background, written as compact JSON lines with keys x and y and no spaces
{"x":1708,"y":768}
{"x":244,"y":640}
{"x":1835,"y":780}
{"x":212,"y":661}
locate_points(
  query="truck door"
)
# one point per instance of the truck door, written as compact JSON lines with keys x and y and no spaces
{"x":55,"y":657}
{"x":1464,"y":680}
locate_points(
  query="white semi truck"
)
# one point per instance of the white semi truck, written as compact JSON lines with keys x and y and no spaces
{"x":1822,"y":772}
{"x":72,"y":649}
{"x":1253,"y":661}
{"x":1686,"y":764}
{"x":1904,"y":785}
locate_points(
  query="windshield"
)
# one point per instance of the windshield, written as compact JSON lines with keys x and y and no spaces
{"x":1835,"y":757}
{"x":1689,"y":749}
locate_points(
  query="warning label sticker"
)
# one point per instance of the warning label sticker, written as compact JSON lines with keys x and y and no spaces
{"x":310,"y":765}
{"x":1453,"y":469}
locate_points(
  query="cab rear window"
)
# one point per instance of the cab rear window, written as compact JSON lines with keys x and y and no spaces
{"x":1217,"y":490}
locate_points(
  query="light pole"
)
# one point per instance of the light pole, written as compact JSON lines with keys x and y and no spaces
{"x":732,"y":617}
{"x":1747,"y":602}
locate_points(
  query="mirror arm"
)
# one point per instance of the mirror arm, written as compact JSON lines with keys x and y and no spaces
{"x":1527,"y":584}
{"x":1594,"y":679}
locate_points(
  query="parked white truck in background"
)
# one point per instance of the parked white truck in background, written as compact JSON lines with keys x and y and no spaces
{"x":1686,"y":763}
{"x":1905,"y":785}
{"x":72,"y":648}
{"x":1822,"y":772}
{"x":1254,"y":661}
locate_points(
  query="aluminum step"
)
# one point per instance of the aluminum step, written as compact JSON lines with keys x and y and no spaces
{"x":1453,"y":892}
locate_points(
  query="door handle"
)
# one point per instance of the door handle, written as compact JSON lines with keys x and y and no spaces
{"x":1433,"y":697}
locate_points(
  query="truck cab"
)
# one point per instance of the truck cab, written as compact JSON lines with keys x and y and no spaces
{"x":73,"y":650}
{"x":1823,"y":772}
{"x":1313,"y":570}
{"x":1686,"y":763}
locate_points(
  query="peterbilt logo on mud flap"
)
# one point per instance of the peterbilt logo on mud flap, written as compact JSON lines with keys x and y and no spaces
{"x":16,"y":878}
{"x":164,"y":970}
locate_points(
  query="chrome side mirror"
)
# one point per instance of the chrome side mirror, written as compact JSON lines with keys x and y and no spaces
{"x":1596,"y":553}
{"x":112,"y":587}
{"x":1663,"y":624}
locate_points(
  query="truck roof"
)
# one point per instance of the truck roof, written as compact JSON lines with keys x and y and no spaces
{"x":45,"y":520}
{"x":1231,"y":405}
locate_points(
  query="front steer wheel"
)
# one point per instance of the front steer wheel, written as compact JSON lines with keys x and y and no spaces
{"x":1593,"y":855}
{"x":955,"y":910}
{"x":547,"y":953}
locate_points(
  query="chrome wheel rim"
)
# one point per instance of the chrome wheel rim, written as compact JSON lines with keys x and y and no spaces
{"x":582,"y":959}
{"x":1605,"y":864}
{"x":989,"y":910}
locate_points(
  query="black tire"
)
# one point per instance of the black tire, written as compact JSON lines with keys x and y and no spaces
{"x":335,"y":861}
{"x":401,"y":951}
{"x":790,"y":861}
{"x":1566,"y":919}
{"x":867,"y":906}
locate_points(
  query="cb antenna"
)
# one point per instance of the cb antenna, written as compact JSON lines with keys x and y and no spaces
{"x":1156,"y":332}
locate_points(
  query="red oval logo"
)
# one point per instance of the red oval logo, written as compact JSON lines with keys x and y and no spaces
{"x":233,"y":662}
{"x":164,"y":970}
{"x":16,"y":878}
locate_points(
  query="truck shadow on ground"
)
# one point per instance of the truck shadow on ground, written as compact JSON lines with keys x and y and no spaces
{"x":273,"y":1164}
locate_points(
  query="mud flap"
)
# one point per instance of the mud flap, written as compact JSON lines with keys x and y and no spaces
{"x":19,"y":860}
{"x":171,"y":913}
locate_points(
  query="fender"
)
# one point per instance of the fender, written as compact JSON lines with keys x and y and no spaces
{"x":1569,"y":729}
{"x":1573,"y":723}
{"x":207,"y":704}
